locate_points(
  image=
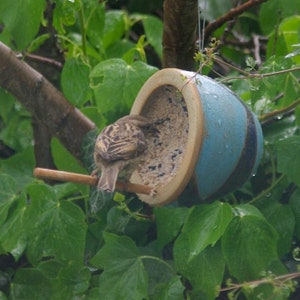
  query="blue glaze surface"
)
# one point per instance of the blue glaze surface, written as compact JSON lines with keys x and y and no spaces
{"x":226,"y":131}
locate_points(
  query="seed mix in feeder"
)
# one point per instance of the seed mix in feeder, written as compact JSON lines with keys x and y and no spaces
{"x":167,"y":108}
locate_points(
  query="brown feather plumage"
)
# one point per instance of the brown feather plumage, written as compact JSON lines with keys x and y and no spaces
{"x":118,"y":147}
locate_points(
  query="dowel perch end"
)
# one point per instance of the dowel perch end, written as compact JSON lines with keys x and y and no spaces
{"x":90,"y":180}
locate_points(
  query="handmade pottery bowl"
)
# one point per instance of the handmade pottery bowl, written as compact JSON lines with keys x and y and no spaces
{"x":204,"y":129}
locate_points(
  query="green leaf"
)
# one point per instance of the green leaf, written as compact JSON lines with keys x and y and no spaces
{"x":295,"y":205}
{"x":13,"y":14}
{"x":37,"y":42}
{"x":7,"y":105}
{"x":114,"y":27}
{"x":124,"y":273}
{"x":117,"y":220}
{"x":168,"y":222}
{"x":13,"y":234}
{"x":67,"y":281}
{"x":2,"y":296}
{"x":205,"y":273}
{"x":249,"y":246}
{"x":204,"y":226}
{"x":271,"y":12}
{"x":30,"y":284}
{"x":154,"y":29}
{"x":57,"y":228}
{"x":20,"y":166}
{"x":119,"y":48}
{"x":96,"y":20}
{"x":8,"y":195}
{"x":94,"y":115}
{"x":171,"y":290}
{"x":119,"y":251}
{"x":281,"y":217}
{"x":116,"y":85}
{"x":75,"y":81}
{"x":64,"y":160}
{"x":64,"y":14}
{"x":283,"y":41}
{"x":17,"y":132}
{"x":290,"y":30}
{"x":288,"y":158}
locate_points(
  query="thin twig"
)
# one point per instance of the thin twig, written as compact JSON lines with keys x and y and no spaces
{"x":233,"y":13}
{"x":267,"y":191}
{"x":254,"y":283}
{"x":89,"y":180}
{"x":251,"y":75}
{"x":42,"y":59}
{"x":279,"y":112}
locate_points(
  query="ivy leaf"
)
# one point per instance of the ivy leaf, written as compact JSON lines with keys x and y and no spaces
{"x":8,"y":195}
{"x":281,"y":217}
{"x":295,"y":205}
{"x":30,"y":283}
{"x":57,"y":228}
{"x":67,"y":281}
{"x":13,"y":234}
{"x":22,"y":32}
{"x":278,"y":8}
{"x":95,"y":25}
{"x":289,"y":27}
{"x":249,"y":245}
{"x":205,"y":272}
{"x":154,"y":29}
{"x":204,"y":226}
{"x":124,"y":273}
{"x":64,"y":13}
{"x":114,"y":27}
{"x":169,"y":222}
{"x":75,"y":81}
{"x":20,"y":167}
{"x":171,"y":290}
{"x":116,"y":84}
{"x":288,"y":158}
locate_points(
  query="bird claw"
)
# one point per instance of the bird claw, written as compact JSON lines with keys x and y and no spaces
{"x":153,"y":192}
{"x":94,"y":173}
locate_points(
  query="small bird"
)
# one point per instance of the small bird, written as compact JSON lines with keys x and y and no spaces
{"x":118,"y":148}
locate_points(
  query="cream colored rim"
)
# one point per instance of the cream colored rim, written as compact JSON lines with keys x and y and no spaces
{"x":185,"y":82}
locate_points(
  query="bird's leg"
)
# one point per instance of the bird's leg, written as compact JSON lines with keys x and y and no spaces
{"x":95,"y":173}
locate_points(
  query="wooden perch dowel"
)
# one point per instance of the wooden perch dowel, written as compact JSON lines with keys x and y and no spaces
{"x":90,"y":180}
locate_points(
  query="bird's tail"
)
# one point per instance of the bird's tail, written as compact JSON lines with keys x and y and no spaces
{"x":108,"y":179}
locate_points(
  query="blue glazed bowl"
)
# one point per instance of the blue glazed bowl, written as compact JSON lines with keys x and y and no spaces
{"x":205,"y":131}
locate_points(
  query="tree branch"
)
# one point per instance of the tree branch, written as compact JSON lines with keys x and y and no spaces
{"x":43,"y":101}
{"x":42,"y":141}
{"x":179,"y":35}
{"x":232,"y":14}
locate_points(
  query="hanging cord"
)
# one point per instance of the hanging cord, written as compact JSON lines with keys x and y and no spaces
{"x":201,"y":25}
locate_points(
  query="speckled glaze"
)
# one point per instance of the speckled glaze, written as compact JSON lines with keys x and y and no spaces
{"x":225,"y":141}
{"x":232,"y":142}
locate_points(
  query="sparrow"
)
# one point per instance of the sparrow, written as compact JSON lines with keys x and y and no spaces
{"x":118,"y":148}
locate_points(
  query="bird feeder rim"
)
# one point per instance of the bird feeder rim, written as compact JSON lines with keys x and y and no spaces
{"x":186,"y":83}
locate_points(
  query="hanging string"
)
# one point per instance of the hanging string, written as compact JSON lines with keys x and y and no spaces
{"x":201,"y":25}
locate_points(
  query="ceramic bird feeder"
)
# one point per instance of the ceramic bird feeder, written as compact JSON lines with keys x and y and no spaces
{"x":204,"y":129}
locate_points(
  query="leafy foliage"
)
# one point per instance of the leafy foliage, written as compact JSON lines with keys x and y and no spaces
{"x":67,"y":241}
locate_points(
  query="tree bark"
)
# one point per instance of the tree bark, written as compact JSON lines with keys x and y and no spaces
{"x":43,"y":101}
{"x":179,"y":34}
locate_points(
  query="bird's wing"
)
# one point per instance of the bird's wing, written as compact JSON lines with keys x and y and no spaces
{"x":121,"y":141}
{"x":108,"y":178}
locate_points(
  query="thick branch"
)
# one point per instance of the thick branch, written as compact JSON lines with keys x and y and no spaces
{"x":43,"y":101}
{"x":179,"y":35}
{"x":42,"y":141}
{"x":232,"y":14}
